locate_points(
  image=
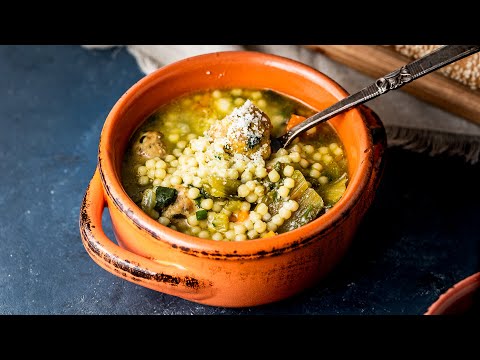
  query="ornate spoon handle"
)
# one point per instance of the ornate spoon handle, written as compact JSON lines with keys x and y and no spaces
{"x":436,"y":59}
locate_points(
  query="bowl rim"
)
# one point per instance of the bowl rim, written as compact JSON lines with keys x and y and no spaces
{"x":246,"y":249}
{"x":454,"y":293}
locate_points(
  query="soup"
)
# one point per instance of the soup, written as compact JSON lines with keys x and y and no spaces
{"x":202,"y":165}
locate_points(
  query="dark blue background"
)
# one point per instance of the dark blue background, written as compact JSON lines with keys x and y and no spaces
{"x":419,"y":238}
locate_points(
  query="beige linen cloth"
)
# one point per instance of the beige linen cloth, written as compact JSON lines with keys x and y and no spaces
{"x":410,"y":123}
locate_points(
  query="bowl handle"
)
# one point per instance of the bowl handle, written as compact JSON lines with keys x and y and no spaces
{"x":169,"y":279}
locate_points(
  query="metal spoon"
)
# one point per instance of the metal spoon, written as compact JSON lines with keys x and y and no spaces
{"x":436,"y":59}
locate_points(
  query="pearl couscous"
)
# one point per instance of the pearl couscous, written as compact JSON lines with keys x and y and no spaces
{"x":202,"y":165}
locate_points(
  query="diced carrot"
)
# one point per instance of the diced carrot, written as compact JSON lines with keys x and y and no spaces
{"x":239,"y":215}
{"x":243,"y":215}
{"x":268,"y":234}
{"x":294,"y":120}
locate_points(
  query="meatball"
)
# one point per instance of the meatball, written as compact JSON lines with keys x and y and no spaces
{"x":246,"y":130}
{"x":183,"y":205}
{"x":149,"y":145}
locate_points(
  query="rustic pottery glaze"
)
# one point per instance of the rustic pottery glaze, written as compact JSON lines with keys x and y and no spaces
{"x":229,"y":274}
{"x":459,"y":299}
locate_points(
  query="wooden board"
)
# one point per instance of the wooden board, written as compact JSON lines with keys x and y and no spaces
{"x":435,"y":88}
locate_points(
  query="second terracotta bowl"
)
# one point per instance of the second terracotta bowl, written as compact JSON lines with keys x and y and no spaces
{"x":230,"y":274}
{"x":463,"y":298}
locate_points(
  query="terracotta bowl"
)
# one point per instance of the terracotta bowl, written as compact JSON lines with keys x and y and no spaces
{"x":229,"y":274}
{"x":462,"y":298}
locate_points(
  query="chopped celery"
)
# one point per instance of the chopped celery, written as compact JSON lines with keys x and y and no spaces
{"x":148,"y":200}
{"x":310,"y":205}
{"x":332,"y":192}
{"x":275,"y":202}
{"x":300,"y":185}
{"x":233,"y":205}
{"x":332,"y":170}
{"x":219,"y":187}
{"x":217,"y":222}
{"x":148,"y":203}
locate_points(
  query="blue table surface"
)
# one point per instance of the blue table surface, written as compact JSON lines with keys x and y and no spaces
{"x":420,"y":236}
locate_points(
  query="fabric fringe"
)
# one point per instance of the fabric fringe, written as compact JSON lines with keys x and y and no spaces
{"x":435,"y":142}
{"x":146,"y":63}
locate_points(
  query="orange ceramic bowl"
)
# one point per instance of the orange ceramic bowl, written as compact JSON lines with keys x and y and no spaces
{"x":229,"y":274}
{"x":460,"y":299}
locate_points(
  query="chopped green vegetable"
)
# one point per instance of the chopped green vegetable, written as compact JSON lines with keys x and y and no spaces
{"x":201,"y":214}
{"x":233,"y":205}
{"x":165,"y":196}
{"x":300,"y":185}
{"x":148,"y":203}
{"x":203,"y":195}
{"x":270,"y":185}
{"x":278,"y":167}
{"x":332,"y":192}
{"x":332,"y":170}
{"x":273,"y":201}
{"x":220,"y":187}
{"x":148,"y":200}
{"x":218,"y":222}
{"x":309,"y":206}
